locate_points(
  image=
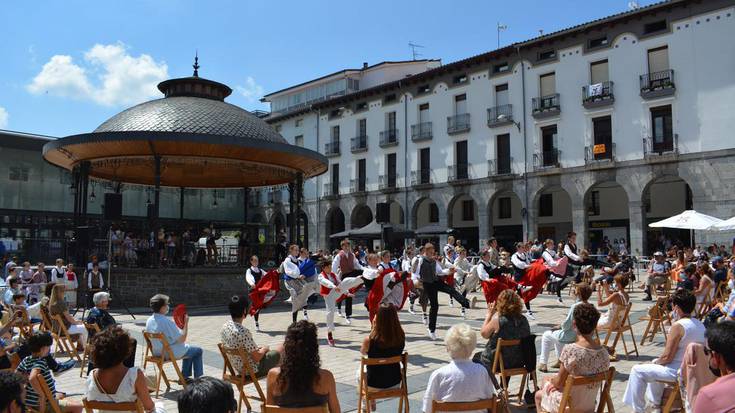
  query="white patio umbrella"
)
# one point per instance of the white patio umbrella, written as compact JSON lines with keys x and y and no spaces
{"x":726,"y":225}
{"x":690,"y":219}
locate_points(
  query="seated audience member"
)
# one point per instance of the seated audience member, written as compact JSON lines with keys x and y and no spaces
{"x":207,"y":395}
{"x":686,"y":277}
{"x":159,"y":323}
{"x":584,"y":357}
{"x":235,"y":335}
{"x":386,"y":339}
{"x":720,"y":270}
{"x":462,"y":380}
{"x":718,"y":396}
{"x":57,"y":306}
{"x":12,"y":392}
{"x":658,"y":273}
{"x":705,"y":290}
{"x":104,"y":320}
{"x":111,"y":380}
{"x":299,"y":381}
{"x":617,"y":301}
{"x":35,"y":368}
{"x":643,"y":378}
{"x":565,"y":334}
{"x":504,"y":320}
{"x":12,"y":288}
{"x":23,"y":351}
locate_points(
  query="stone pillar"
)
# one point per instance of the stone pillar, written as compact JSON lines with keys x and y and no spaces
{"x":579,"y":224}
{"x":637,"y":241}
{"x":483,"y":222}
{"x":530,"y":224}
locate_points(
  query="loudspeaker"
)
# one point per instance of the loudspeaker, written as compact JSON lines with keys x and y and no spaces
{"x":113,"y":206}
{"x":382,"y":212}
{"x":82,"y":235}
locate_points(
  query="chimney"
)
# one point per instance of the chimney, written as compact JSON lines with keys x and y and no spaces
{"x":364,"y":65}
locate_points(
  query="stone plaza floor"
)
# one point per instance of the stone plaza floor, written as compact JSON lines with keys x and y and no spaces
{"x":343,"y":360}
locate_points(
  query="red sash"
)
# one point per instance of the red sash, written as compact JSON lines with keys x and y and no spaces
{"x":375,"y":296}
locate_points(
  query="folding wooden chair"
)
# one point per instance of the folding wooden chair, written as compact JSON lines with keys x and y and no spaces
{"x":90,"y":406}
{"x":92,"y":330}
{"x":269,"y":408}
{"x":619,"y":329}
{"x":166,"y":356}
{"x":64,"y":338}
{"x":240,"y":379}
{"x":499,"y":368}
{"x":722,"y":293}
{"x":657,"y":315}
{"x":485,"y":404}
{"x":703,"y":308}
{"x":47,"y":326}
{"x":46,"y":393}
{"x":367,"y":395}
{"x":605,"y":379}
{"x":674,"y":395}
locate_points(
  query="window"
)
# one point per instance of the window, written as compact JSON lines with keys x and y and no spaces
{"x":546,"y":55}
{"x":390,"y":169}
{"x":504,"y":209}
{"x":424,"y":166}
{"x":335,"y":179}
{"x":459,"y":79}
{"x":501,"y":95}
{"x":658,"y":59}
{"x":662,"y":129}
{"x":19,"y":173}
{"x":460,"y":159}
{"x":299,"y":122}
{"x":460,"y":104}
{"x":594,"y":208}
{"x":501,"y":67}
{"x":423,"y":89}
{"x":299,"y":140}
{"x":433,"y":212}
{"x":602,"y":130}
{"x":335,"y":133}
{"x":547,"y":83}
{"x":654,"y":27}
{"x":503,"y":154}
{"x":362,"y":127}
{"x":468,"y":210}
{"x":361,"y":174}
{"x":598,"y":42}
{"x":361,"y":106}
{"x":389,"y":98}
{"x":599,"y":72}
{"x":390,"y":121}
{"x":546,"y":205}
{"x":423,"y":113}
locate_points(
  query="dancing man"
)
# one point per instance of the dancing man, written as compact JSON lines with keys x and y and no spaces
{"x":296,"y":283}
{"x":346,"y":265}
{"x":519,"y":261}
{"x":465,"y":279}
{"x":557,"y":269}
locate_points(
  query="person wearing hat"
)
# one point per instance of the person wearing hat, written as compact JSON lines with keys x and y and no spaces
{"x":159,"y":323}
{"x":658,"y":273}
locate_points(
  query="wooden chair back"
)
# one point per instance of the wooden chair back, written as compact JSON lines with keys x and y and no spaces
{"x":269,"y":408}
{"x":166,"y":356}
{"x":721,"y":294}
{"x":657,"y":314}
{"x":46,"y":391}
{"x":240,"y":379}
{"x":45,"y":319}
{"x":604,"y":379}
{"x":674,"y":396}
{"x":13,"y":358}
{"x":93,"y":329}
{"x":64,"y":339}
{"x":505,"y":373}
{"x":401,"y":392}
{"x":619,"y":330}
{"x":485,"y":404}
{"x":91,"y":405}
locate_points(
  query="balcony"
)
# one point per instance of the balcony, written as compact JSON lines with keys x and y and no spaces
{"x":500,"y":116}
{"x":388,"y":138}
{"x":458,"y":123}
{"x":357,"y":186}
{"x":275,"y":197}
{"x":599,"y":153}
{"x":331,"y":148}
{"x":330,"y":191}
{"x":666,"y":148}
{"x":459,"y":173}
{"x":422,"y":177}
{"x":358,"y":144}
{"x":657,"y":84}
{"x":546,"y":106}
{"x":421,"y":132}
{"x":598,"y":95}
{"x":547,"y":159}
{"x":388,"y":182}
{"x":499,"y":167}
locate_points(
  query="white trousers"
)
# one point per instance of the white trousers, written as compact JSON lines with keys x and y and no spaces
{"x":642,"y":385}
{"x":78,"y":329}
{"x":548,"y":340}
{"x":330,"y":300}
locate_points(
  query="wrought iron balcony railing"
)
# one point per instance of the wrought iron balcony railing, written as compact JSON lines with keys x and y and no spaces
{"x":458,"y":123}
{"x":459,"y":172}
{"x":546,"y":105}
{"x":598,"y":94}
{"x":499,"y":166}
{"x":547,"y":159}
{"x":331,"y":148}
{"x":389,"y":137}
{"x":652,"y":147}
{"x":658,"y":84}
{"x":358,"y":185}
{"x":358,"y":144}
{"x":421,"y":132}
{"x":500,"y":115}
{"x":387,"y":181}
{"x":599,"y":153}
{"x":421,"y":177}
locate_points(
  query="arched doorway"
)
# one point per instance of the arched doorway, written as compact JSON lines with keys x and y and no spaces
{"x":662,"y":198}
{"x":361,"y":216}
{"x":553,"y":213}
{"x":396,"y":217}
{"x":462,"y":219}
{"x":303,"y":236}
{"x":607,"y":218}
{"x":335,"y":223}
{"x":426,"y":221}
{"x":276,"y":228}
{"x":506,"y":222}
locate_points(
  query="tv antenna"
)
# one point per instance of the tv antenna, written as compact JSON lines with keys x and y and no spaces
{"x":413,"y":47}
{"x":632,"y":5}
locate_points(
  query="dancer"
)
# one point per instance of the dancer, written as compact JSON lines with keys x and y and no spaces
{"x":334,"y":290}
{"x":557,"y":268}
{"x":575,"y":261}
{"x":465,"y":279}
{"x":519,"y":261}
{"x":493,"y":250}
{"x":264,"y":292}
{"x":533,"y":280}
{"x":449,"y":250}
{"x":309,"y":269}
{"x":417,"y":291}
{"x":252,"y":276}
{"x":390,"y":287}
{"x":429,"y":271}
{"x":296,"y":283}
{"x":493,"y":279}
{"x":346,"y":265}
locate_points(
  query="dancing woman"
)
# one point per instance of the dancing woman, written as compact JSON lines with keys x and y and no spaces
{"x":252,"y":276}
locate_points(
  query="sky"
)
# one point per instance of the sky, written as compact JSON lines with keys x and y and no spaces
{"x":67,"y":66}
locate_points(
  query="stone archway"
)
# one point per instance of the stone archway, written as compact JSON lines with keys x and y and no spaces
{"x":607,"y":218}
{"x":505,"y":218}
{"x":462,"y":218}
{"x":663,"y":197}
{"x":361,"y":215}
{"x":335,"y":223}
{"x":553,"y":207}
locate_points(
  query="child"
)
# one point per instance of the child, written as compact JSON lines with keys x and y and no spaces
{"x":36,"y":368}
{"x":252,"y":276}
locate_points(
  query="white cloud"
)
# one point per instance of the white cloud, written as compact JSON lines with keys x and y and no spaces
{"x":109,"y":76}
{"x":3,"y":118}
{"x":251,"y":91}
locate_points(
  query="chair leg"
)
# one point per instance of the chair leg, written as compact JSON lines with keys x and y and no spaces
{"x":400,"y":404}
{"x":645,"y":332}
{"x":159,"y":374}
{"x":179,"y":373}
{"x":632,"y":338}
{"x":244,"y":398}
{"x":359,"y":401}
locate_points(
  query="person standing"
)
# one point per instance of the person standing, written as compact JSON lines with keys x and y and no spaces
{"x":575,"y":261}
{"x":346,"y":265}
{"x":252,"y":276}
{"x":333,"y":289}
{"x":493,"y":250}
{"x":58,"y":272}
{"x":519,"y":260}
{"x":296,"y":283}
{"x":449,"y":250}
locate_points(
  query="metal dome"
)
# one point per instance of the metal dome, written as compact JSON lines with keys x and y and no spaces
{"x":200,"y":140}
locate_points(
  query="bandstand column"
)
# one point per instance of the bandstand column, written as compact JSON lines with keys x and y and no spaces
{"x":299,"y":200}
{"x":181,"y":204}
{"x":157,"y":190}
{"x":291,"y":202}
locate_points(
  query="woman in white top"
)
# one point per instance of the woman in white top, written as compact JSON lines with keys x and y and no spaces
{"x":111,"y":381}
{"x":706,"y":288}
{"x":643,"y":381}
{"x":617,"y":302}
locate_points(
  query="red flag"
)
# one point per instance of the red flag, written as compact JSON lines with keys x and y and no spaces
{"x":264,"y":291}
{"x":375,"y":296}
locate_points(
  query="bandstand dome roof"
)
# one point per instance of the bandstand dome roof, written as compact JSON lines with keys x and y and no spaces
{"x":202,"y":141}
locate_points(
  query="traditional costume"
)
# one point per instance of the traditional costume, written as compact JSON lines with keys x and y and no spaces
{"x":465,"y":279}
{"x":390,"y":287}
{"x":334,"y":290}
{"x":263,"y":292}
{"x":346,"y":265}
{"x":252,"y":276}
{"x":430,"y":272}
{"x":296,"y":284}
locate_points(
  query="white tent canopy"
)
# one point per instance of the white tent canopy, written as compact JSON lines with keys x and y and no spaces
{"x":727,"y":225}
{"x":689,"y":219}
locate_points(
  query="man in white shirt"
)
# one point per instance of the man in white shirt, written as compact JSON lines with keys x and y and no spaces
{"x":418,"y":288}
{"x":252,"y":276}
{"x":519,"y":261}
{"x":345,"y":264}
{"x":449,"y":253}
{"x":296,"y":284}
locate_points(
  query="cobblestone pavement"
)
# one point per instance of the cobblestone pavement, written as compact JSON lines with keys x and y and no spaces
{"x":343,"y":360}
